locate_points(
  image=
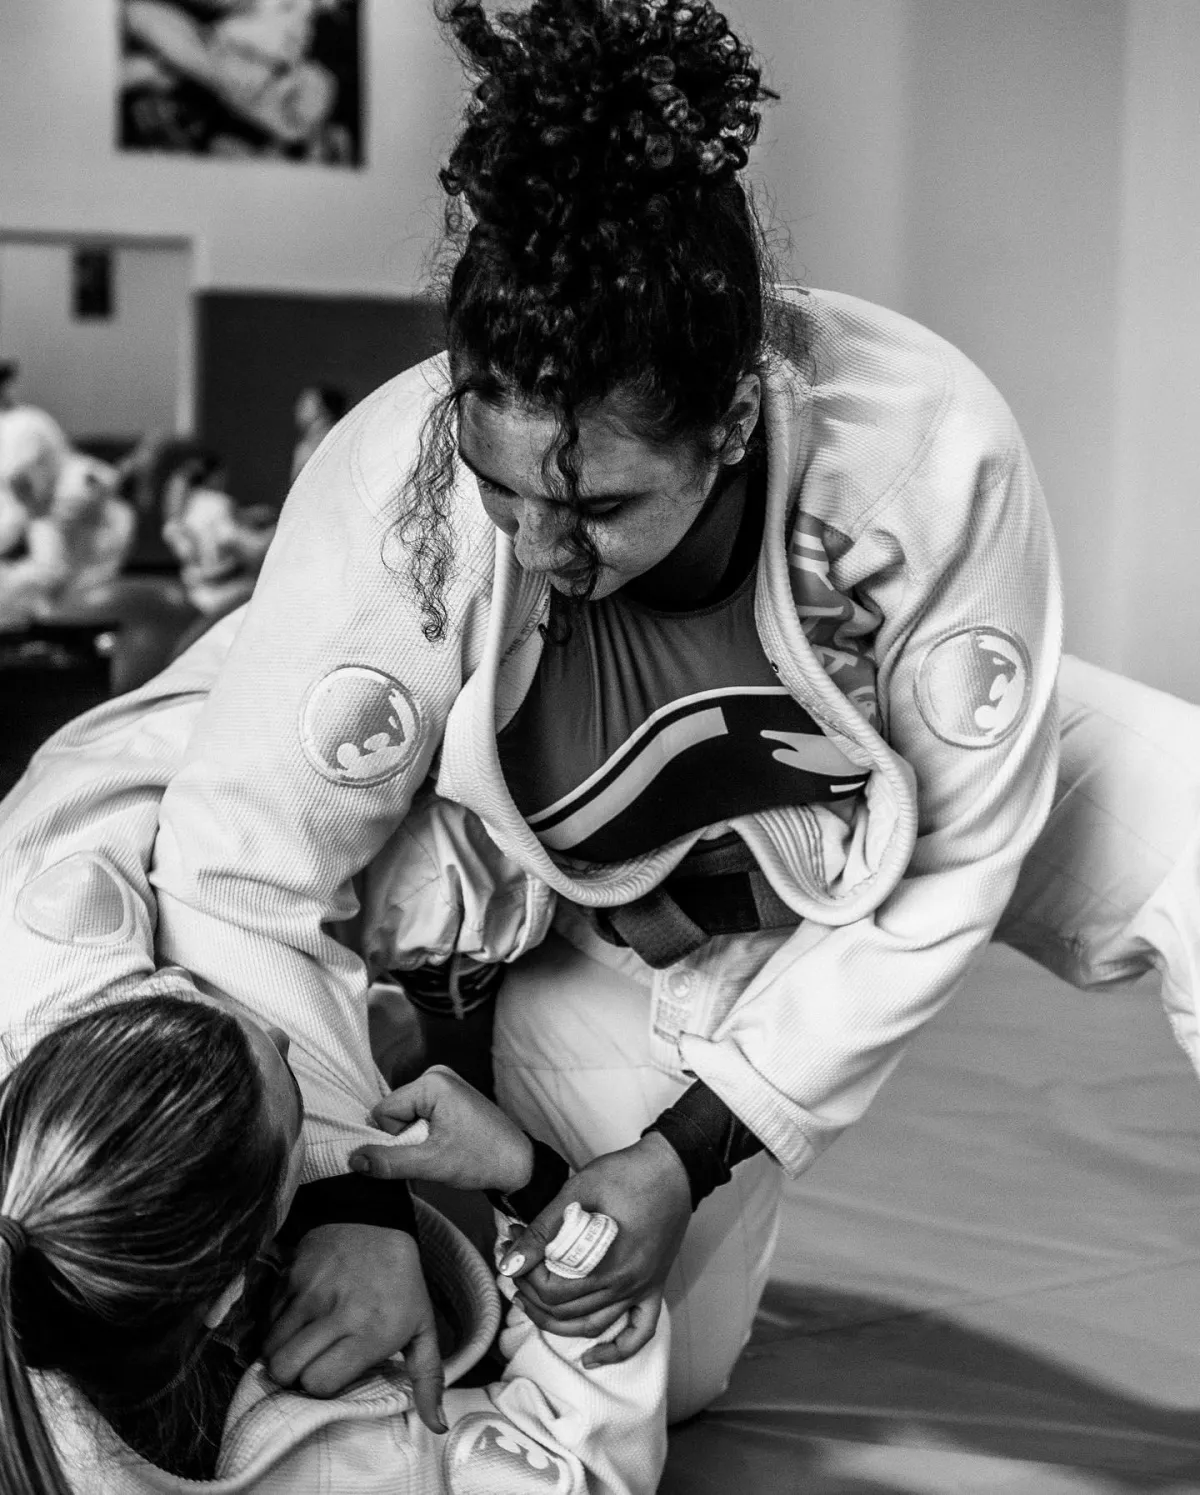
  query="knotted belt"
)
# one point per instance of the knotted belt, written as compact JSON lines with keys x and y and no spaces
{"x":717,"y":889}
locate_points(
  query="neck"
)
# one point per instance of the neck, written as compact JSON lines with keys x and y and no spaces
{"x":693,"y":571}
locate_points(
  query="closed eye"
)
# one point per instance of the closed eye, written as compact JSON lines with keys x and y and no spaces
{"x":598,"y":508}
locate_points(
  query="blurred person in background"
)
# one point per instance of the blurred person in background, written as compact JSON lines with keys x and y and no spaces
{"x":70,"y":533}
{"x":319,"y":407}
{"x":9,"y":369}
{"x":220,"y":545}
{"x":65,"y":538}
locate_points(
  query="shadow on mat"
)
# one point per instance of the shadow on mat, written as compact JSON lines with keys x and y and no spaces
{"x":824,"y":1366}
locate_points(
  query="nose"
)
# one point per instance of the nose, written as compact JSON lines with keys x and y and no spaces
{"x":538,"y":540}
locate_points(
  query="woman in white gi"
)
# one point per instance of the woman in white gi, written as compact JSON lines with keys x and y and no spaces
{"x":730,"y":611}
{"x":149,"y":1152}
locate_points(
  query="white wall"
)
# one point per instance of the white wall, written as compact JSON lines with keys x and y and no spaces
{"x":262,"y":225}
{"x":832,"y":155}
{"x":1024,"y":177}
{"x":119,"y":375}
{"x":1011,"y":245}
{"x":1156,"y":541}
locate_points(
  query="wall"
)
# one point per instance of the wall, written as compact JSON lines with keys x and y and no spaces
{"x":832,"y":157}
{"x":268,"y":225}
{"x":114,"y":376}
{"x":1156,"y":540}
{"x":1013,"y":201}
{"x":257,"y":352}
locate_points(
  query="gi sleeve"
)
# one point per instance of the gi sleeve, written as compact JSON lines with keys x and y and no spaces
{"x":960,"y":567}
{"x":319,"y":728}
{"x":77,"y":913}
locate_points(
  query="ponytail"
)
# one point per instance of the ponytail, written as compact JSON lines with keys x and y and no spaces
{"x":138,"y":1179}
{"x":29,"y":1463}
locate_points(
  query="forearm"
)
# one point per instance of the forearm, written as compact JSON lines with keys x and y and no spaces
{"x":348,"y":1199}
{"x":708,"y":1137}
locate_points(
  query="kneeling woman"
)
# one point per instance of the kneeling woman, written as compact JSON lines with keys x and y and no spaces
{"x":149,"y":1151}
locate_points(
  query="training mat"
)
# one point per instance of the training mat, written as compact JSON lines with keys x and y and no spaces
{"x":992,"y":1283}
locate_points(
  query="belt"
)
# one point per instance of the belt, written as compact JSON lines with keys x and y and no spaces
{"x":717,"y":889}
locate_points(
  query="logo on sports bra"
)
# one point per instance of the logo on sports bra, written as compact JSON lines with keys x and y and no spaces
{"x":972,"y":686}
{"x":359,"y":726}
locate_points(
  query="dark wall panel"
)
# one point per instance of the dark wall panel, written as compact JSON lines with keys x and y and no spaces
{"x":256,"y":352}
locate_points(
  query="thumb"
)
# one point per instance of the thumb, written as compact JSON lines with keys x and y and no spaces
{"x":423,"y":1362}
{"x":528,"y":1248}
{"x":414,"y":1160}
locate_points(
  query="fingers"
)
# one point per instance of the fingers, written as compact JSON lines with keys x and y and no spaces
{"x":288,"y":1363}
{"x":423,"y":1362}
{"x":590,"y":1327}
{"x":292,"y":1316}
{"x":333,"y":1369}
{"x":638,"y":1332}
{"x":399,"y":1109}
{"x":542,"y":1290}
{"x":528,"y":1249}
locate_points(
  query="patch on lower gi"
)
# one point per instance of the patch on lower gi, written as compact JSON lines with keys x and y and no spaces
{"x":972,"y":686}
{"x":81,"y":900}
{"x":359,"y":726}
{"x":485,"y":1455}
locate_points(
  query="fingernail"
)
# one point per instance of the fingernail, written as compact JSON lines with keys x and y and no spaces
{"x":360,"y":1165}
{"x":511,"y":1265}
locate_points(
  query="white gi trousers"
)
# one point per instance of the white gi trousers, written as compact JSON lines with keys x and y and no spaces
{"x":573,"y":1065}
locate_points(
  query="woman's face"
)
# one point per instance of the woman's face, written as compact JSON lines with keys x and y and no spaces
{"x":639,"y":500}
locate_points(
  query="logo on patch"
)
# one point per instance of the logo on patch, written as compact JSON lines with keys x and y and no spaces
{"x":972,"y":687}
{"x":359,"y":726}
{"x":484,"y":1455}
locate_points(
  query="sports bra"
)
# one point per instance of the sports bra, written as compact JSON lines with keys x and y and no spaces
{"x":641,"y":726}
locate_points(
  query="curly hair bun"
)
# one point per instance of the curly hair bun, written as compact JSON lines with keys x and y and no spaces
{"x":589,"y":109}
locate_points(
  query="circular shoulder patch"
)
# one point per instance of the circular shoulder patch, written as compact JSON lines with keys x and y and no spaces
{"x":972,"y":686}
{"x":487,"y":1455}
{"x":359,"y":726}
{"x":81,"y":900}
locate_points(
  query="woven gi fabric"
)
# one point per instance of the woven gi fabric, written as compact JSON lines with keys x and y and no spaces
{"x":905,"y":463}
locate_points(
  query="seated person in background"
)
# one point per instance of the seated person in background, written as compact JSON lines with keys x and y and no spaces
{"x":148,"y":1152}
{"x":220,"y":546}
{"x":318,"y":410}
{"x":70,"y":540}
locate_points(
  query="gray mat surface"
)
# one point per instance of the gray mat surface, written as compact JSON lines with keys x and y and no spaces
{"x":992,"y":1283}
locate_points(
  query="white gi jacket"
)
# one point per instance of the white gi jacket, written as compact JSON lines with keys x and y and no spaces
{"x":77,"y":921}
{"x":547,"y":1426}
{"x":902,"y":505}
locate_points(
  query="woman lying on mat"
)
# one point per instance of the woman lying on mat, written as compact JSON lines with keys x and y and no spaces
{"x":149,"y":1153}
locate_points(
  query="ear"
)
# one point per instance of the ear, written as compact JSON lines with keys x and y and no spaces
{"x":741,"y":417}
{"x":219,"y":1311}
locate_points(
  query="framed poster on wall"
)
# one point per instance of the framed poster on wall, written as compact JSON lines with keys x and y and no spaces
{"x":259,"y":79}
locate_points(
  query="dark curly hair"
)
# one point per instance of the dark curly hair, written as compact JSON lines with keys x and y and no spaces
{"x":603,"y":243}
